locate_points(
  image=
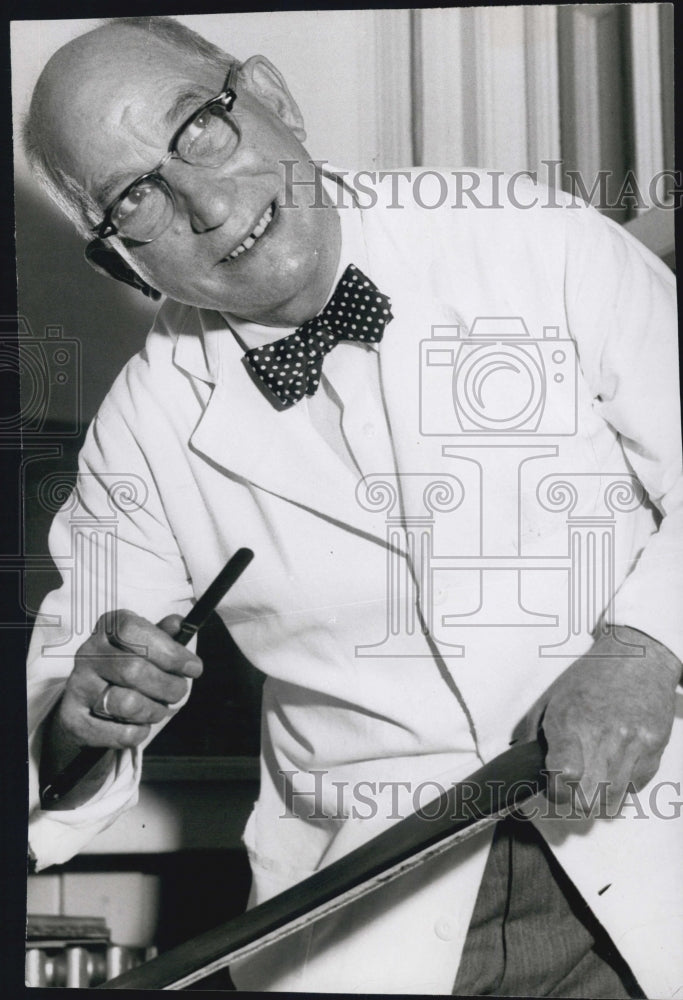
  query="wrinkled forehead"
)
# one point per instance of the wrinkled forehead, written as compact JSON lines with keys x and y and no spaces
{"x":121,"y":100}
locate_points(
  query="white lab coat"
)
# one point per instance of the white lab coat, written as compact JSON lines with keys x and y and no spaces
{"x":214,"y":466}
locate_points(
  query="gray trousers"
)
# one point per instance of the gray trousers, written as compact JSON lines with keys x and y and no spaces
{"x":531,"y":934}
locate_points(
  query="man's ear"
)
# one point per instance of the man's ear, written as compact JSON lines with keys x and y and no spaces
{"x":105,"y":260}
{"x":264,"y":82}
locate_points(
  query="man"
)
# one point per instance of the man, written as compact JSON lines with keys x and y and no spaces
{"x":192,"y":173}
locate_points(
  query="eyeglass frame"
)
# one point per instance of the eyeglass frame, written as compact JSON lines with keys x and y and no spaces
{"x":226,"y":99}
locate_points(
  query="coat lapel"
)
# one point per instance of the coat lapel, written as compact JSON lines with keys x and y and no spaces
{"x":277,"y":451}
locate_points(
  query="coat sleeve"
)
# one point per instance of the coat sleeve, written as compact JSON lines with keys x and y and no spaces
{"x":114,"y":549}
{"x":621,"y":307}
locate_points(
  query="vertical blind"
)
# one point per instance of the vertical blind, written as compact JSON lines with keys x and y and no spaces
{"x":581,"y":94}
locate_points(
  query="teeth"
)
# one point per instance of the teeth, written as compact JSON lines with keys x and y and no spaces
{"x":264,"y":221}
{"x":259,"y":230}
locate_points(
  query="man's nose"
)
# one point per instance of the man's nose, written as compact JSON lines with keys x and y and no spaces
{"x":206,"y":196}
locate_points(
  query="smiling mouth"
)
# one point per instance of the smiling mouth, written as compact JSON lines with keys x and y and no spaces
{"x":258,"y":231}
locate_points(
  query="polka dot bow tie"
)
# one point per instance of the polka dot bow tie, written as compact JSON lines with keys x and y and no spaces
{"x":291,"y":367}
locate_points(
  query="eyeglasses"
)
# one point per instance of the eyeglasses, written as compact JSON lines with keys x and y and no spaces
{"x":147,"y":207}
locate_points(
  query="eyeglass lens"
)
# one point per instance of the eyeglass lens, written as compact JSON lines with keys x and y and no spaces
{"x":208,"y":140}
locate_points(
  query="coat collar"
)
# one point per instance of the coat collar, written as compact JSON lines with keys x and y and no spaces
{"x":276,"y":450}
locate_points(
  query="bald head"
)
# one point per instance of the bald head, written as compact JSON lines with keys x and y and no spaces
{"x":73,"y":85}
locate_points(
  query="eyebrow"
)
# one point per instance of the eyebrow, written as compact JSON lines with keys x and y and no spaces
{"x":185,"y":103}
{"x":105,"y":192}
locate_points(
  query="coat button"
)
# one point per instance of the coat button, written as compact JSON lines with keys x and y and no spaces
{"x":444,"y":929}
{"x":369,"y":430}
